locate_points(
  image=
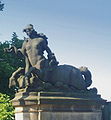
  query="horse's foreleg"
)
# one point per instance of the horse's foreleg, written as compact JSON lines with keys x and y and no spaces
{"x":32,"y":70}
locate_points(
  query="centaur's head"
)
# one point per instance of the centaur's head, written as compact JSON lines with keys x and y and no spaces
{"x":30,"y":31}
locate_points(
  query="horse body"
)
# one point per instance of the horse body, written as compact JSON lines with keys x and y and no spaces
{"x":68,"y":75}
{"x":71,"y":76}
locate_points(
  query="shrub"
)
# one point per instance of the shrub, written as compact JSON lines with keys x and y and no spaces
{"x":6,"y":108}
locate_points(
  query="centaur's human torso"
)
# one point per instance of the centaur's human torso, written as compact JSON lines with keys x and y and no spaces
{"x":33,"y":50}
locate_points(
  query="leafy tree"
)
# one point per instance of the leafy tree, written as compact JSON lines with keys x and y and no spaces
{"x":8,"y":63}
{"x":15,"y":41}
{"x":6,"y":109}
{"x":16,"y":61}
{"x":1,"y":6}
{"x":5,"y":68}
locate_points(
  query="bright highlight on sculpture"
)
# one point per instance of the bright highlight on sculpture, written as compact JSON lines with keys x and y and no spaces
{"x":44,"y":74}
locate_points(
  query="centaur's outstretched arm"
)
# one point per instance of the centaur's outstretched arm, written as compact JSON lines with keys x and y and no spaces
{"x":20,"y":53}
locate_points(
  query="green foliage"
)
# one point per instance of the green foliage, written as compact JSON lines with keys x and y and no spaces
{"x":5,"y":68}
{"x":6,"y":109}
{"x":8,"y":63}
{"x":15,"y":41}
{"x":1,"y":6}
{"x":15,"y":60}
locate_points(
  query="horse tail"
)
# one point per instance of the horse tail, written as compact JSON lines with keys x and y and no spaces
{"x":86,"y":75}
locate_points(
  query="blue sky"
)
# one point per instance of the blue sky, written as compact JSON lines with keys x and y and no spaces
{"x":79,"y":32}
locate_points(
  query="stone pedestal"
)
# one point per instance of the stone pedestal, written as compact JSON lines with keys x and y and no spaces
{"x":107,"y":111}
{"x":57,"y":106}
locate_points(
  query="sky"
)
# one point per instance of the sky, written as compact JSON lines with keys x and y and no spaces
{"x":78,"y":31}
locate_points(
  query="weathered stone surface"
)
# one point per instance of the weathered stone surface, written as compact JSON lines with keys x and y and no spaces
{"x":43,"y":73}
{"x":107,"y":111}
{"x":65,"y":94}
{"x":57,"y":106}
{"x":71,"y":116}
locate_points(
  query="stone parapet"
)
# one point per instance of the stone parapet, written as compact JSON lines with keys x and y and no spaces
{"x":57,"y":106}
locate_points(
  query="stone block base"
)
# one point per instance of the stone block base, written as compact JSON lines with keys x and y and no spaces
{"x":57,"y":106}
{"x":70,"y":116}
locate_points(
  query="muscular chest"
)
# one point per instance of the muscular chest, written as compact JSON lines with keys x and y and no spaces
{"x":34,"y":44}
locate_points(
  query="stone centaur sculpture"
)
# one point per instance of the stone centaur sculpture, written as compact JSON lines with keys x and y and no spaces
{"x":43,"y":73}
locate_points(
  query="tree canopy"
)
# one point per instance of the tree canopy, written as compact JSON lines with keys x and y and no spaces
{"x":1,"y":6}
{"x":8,"y":62}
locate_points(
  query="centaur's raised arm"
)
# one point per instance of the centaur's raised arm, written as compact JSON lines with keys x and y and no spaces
{"x":18,"y":52}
